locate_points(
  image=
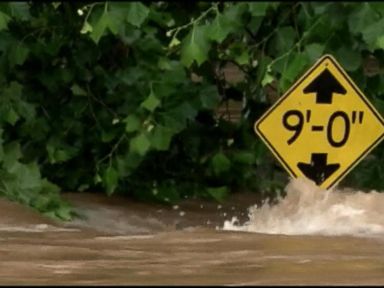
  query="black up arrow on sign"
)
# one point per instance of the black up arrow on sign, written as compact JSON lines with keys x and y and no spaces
{"x":318,"y":170}
{"x":324,"y":86}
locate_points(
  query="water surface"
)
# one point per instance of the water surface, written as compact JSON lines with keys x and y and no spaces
{"x":310,"y":237}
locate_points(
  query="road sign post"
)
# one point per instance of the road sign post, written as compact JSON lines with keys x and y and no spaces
{"x":323,"y":126}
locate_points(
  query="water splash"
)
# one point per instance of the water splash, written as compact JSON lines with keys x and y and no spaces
{"x":308,"y":209}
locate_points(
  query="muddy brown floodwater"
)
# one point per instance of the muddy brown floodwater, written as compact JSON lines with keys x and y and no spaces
{"x":310,"y":237}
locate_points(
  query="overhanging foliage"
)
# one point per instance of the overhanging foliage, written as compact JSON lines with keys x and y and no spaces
{"x":101,"y":96}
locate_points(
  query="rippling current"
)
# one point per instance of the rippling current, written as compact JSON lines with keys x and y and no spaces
{"x":311,"y":236}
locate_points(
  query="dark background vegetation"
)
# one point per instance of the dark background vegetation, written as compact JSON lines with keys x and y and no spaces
{"x":132,"y":97}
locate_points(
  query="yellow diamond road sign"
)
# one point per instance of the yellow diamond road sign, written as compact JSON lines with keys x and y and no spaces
{"x":323,"y":125}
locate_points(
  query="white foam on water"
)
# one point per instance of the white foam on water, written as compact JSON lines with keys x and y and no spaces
{"x":35,"y":228}
{"x":308,"y":209}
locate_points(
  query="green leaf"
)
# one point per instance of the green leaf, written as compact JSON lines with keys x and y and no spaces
{"x":78,"y":91}
{"x":182,"y":112}
{"x":377,"y":7}
{"x":86,"y":28}
{"x":372,"y":32}
{"x":18,"y":54}
{"x":140,"y":144}
{"x":164,"y":63}
{"x":107,"y":135}
{"x":59,"y":154}
{"x":115,"y":19}
{"x":244,"y":157}
{"x":380,"y":42}
{"x":379,"y":104}
{"x":284,"y":39}
{"x":167,"y":193}
{"x":151,"y":103}
{"x":1,"y":145}
{"x":50,"y":214}
{"x":11,"y":116}
{"x":25,"y":110}
{"x":99,"y":27}
{"x":20,"y":10}
{"x":137,"y":13}
{"x":243,"y":58}
{"x":48,"y":188}
{"x":12,"y":154}
{"x":218,"y":193}
{"x":161,"y":138}
{"x":258,"y":8}
{"x":210,"y":97}
{"x":127,"y":163}
{"x":132,"y":123}
{"x":64,"y":213}
{"x":173,"y":123}
{"x":234,"y":12}
{"x":349,"y":59}
{"x":4,"y":19}
{"x":56,"y":4}
{"x":290,"y":68}
{"x":174,"y":42}
{"x":195,"y":46}
{"x":295,"y":66}
{"x":41,"y":203}
{"x":83,"y":187}
{"x":319,"y":7}
{"x":314,"y":51}
{"x":27,"y":176}
{"x":110,"y":180}
{"x":268,"y":79}
{"x":220,"y":163}
{"x":362,"y":17}
{"x":219,"y":29}
{"x":255,"y":24}
{"x":112,"y":17}
{"x":13,"y":91}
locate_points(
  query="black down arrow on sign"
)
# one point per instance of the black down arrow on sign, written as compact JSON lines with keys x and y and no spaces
{"x":324,"y":86}
{"x":318,"y":170}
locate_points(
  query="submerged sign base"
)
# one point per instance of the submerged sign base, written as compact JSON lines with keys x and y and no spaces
{"x":322,"y":126}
